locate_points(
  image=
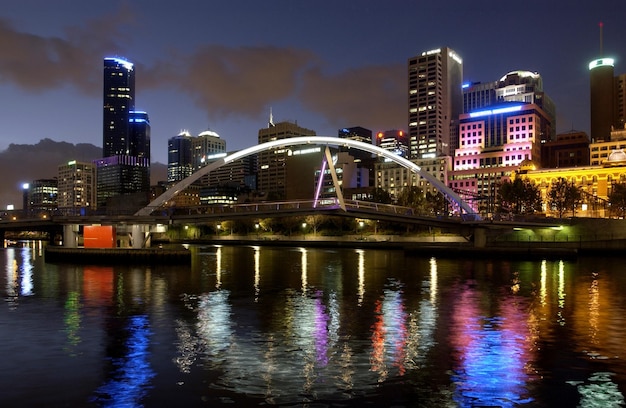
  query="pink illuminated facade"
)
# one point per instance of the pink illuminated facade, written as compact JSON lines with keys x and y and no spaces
{"x":493,"y":142}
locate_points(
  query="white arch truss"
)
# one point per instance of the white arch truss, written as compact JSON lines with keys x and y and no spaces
{"x":305,"y":140}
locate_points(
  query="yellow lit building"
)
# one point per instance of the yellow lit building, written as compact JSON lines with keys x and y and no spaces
{"x":595,"y":182}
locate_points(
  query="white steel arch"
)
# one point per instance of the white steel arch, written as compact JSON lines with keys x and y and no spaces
{"x":304,"y":140}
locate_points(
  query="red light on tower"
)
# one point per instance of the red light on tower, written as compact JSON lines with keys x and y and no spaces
{"x":380,"y":135}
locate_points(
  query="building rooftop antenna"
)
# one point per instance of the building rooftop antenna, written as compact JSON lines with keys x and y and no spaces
{"x":601,"y":25}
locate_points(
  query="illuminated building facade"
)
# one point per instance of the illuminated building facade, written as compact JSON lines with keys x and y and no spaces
{"x":240,"y":173}
{"x":515,"y":86}
{"x":393,"y":178}
{"x":271,"y":171}
{"x":125,"y":166}
{"x":41,"y":197}
{"x":139,"y":142}
{"x":493,"y":143}
{"x":479,"y":95}
{"x":119,"y":101}
{"x":601,"y":150}
{"x":396,"y":141}
{"x":122,"y":176}
{"x":351,"y":176}
{"x":180,"y":163}
{"x":435,"y":102}
{"x":207,"y":143}
{"x":595,"y":181}
{"x":76,"y":187}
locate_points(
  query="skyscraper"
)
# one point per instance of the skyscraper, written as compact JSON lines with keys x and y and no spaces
{"x":139,"y":135}
{"x":435,"y":102}
{"x":602,"y":98}
{"x":76,"y":187}
{"x":119,"y":101}
{"x":179,"y":157}
{"x":124,"y":169}
{"x":515,"y":86}
{"x":271,"y":175}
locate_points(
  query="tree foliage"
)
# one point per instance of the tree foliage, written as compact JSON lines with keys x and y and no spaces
{"x":436,"y":204}
{"x":412,"y":197}
{"x":617,"y":200}
{"x":519,"y":196}
{"x":381,"y":196}
{"x":564,"y":196}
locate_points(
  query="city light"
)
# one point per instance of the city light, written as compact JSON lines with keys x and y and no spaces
{"x":601,"y":62}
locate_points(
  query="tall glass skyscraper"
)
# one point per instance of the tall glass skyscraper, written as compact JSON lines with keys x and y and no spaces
{"x":123,"y":174}
{"x":435,"y":103}
{"x":119,"y":101}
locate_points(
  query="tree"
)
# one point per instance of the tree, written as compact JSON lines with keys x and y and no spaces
{"x":412,"y":197}
{"x":617,"y":200}
{"x":564,"y":196}
{"x":436,"y":204}
{"x":519,"y":196}
{"x":381,"y":196}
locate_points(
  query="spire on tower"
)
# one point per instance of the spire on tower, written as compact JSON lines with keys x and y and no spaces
{"x":601,"y":26}
{"x":271,"y":122}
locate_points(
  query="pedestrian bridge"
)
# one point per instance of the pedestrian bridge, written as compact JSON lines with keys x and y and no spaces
{"x":457,"y":202}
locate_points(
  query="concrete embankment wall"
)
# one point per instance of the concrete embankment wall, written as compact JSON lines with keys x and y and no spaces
{"x":117,"y":255}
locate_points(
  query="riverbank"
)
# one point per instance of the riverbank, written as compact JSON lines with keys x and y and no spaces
{"x":57,"y":254}
{"x":426,"y":247}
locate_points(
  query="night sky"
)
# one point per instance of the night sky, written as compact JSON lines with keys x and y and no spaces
{"x":327,"y":64}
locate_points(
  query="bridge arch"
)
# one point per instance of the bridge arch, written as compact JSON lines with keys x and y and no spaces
{"x":304,"y":140}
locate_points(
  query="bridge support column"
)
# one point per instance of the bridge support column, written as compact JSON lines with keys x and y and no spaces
{"x":140,"y":236}
{"x":480,"y":237}
{"x":70,"y":236}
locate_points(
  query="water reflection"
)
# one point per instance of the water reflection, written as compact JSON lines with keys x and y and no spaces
{"x":130,"y":374}
{"x":297,"y":326}
{"x":491,"y":350}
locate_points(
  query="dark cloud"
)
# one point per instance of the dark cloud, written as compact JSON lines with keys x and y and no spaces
{"x":224,"y":81}
{"x":370,"y":96}
{"x":38,"y":63}
{"x":233,"y":81}
{"x":23,"y":163}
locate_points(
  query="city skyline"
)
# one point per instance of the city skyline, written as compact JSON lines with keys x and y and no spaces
{"x":329,"y":66}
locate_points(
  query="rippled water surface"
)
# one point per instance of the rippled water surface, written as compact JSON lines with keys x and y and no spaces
{"x":248,"y":326}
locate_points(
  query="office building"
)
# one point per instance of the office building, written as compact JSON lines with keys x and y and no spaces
{"x":271,"y":171}
{"x":602,"y":98}
{"x":139,"y":131}
{"x":435,"y":102}
{"x":40,"y":197}
{"x":125,"y":167}
{"x":392,"y":177}
{"x":123,"y":183}
{"x":395,"y":141}
{"x":359,"y":134}
{"x":180,"y":164}
{"x":515,"y":86}
{"x":76,"y":188}
{"x":568,"y":150}
{"x":119,"y":101}
{"x":206,"y":144}
{"x":493,"y":143}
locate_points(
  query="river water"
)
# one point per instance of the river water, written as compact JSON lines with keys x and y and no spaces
{"x":251,"y":326}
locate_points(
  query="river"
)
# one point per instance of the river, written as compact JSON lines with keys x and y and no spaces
{"x":258,"y":326}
